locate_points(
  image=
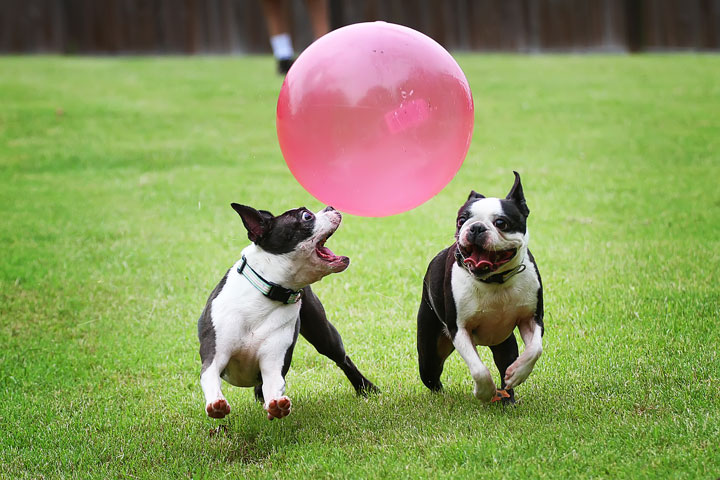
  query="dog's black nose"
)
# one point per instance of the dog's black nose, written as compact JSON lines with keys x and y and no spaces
{"x":329,"y":209}
{"x":477,"y":229}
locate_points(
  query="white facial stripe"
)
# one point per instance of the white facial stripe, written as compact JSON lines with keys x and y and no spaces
{"x":322,"y":223}
{"x":485,"y":209}
{"x":482,"y":211}
{"x":325,"y":222}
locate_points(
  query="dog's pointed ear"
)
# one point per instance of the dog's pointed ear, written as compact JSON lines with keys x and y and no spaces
{"x":516,"y":195}
{"x":474,"y":194}
{"x":256,"y":222}
{"x":267,"y":216}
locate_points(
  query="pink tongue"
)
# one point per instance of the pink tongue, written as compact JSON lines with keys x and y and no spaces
{"x":325,"y":252}
{"x":481,"y":261}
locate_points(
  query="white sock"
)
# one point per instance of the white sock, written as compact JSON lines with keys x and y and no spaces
{"x":282,"y":46}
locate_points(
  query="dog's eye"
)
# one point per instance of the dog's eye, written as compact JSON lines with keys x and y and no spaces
{"x":500,"y":224}
{"x":460,"y":221}
{"x":307,"y":216}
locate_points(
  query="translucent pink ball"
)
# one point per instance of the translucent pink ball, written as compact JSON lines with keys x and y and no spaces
{"x":374,"y":119}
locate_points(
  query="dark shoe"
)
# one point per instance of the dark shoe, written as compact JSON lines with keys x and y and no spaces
{"x":284,"y":65}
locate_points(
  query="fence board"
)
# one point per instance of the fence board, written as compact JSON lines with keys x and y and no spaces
{"x":233,"y":26}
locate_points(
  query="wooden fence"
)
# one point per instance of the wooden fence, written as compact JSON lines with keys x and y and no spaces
{"x":237,"y":26}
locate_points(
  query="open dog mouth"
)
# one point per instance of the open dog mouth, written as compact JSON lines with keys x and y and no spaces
{"x":327,"y":255}
{"x":483,"y":260}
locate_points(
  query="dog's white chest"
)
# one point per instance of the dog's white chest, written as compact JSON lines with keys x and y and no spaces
{"x":490,"y":312}
{"x":250,"y":327}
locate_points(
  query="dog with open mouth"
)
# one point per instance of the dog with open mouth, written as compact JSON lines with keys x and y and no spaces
{"x":252,"y":318}
{"x":477,"y":291}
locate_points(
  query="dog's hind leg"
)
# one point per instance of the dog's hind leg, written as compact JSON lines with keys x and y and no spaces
{"x":433,"y":346}
{"x":259,"y":394}
{"x":504,"y":354}
{"x":322,"y":335}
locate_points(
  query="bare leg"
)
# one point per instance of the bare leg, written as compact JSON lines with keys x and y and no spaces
{"x":275,"y":17}
{"x":318,"y":12}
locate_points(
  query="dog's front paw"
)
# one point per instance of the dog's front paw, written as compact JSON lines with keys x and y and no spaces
{"x":278,"y":408}
{"x":516,"y":374}
{"x":218,"y":409}
{"x":485,"y":390}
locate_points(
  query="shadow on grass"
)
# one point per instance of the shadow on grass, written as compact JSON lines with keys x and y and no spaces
{"x":343,"y":420}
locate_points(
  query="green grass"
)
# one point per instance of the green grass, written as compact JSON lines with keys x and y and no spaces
{"x":116,"y":177}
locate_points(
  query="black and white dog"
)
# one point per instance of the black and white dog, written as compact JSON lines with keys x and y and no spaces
{"x":477,"y":291}
{"x":250,"y":324}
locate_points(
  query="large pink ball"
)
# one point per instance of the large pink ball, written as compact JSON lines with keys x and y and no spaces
{"x":374,"y":118}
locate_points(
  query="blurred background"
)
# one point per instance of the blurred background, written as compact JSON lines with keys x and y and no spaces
{"x":99,"y":27}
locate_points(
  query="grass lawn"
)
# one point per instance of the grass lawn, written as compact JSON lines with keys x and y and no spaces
{"x":116,"y":177}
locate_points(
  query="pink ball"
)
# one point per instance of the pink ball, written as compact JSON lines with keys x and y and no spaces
{"x":374,"y":118}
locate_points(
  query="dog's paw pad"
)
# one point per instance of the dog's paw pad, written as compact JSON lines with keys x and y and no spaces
{"x":499,"y":396}
{"x":218,"y":409}
{"x":278,"y":408}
